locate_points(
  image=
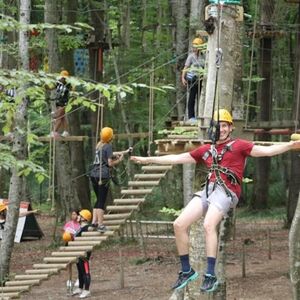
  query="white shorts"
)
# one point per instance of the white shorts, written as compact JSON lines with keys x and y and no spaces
{"x":217,"y":197}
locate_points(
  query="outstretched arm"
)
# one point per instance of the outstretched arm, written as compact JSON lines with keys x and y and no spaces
{"x":260,"y":151}
{"x":172,"y":159}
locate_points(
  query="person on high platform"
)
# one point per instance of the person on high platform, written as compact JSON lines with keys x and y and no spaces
{"x":191,"y":76}
{"x":225,"y":160}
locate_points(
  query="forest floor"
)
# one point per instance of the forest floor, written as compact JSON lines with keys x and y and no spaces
{"x":151,"y":278}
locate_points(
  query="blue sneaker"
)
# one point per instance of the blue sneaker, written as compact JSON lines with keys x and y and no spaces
{"x":184,"y":279}
{"x":209,"y":284}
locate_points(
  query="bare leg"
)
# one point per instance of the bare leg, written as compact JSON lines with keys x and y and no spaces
{"x":59,"y":116}
{"x":212,"y":219}
{"x":191,"y":213}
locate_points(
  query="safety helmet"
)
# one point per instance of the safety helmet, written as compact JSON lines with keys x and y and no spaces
{"x":2,"y":207}
{"x":64,"y":73}
{"x":224,"y":116}
{"x":197,"y":42}
{"x":86,"y":214}
{"x":67,"y":236}
{"x":106,"y":134}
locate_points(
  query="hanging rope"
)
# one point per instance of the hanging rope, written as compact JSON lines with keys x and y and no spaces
{"x":151,"y":103}
{"x":251,"y":66}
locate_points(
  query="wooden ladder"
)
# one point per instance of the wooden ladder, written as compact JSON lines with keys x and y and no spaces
{"x":115,"y":217}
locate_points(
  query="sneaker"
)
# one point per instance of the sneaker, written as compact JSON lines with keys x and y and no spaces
{"x":209,"y":284}
{"x":77,"y":291}
{"x":184,"y":279}
{"x":65,"y":134}
{"x":85,"y":294}
{"x":54,"y":134}
{"x":69,"y":283}
{"x":102,"y":228}
{"x":76,"y":284}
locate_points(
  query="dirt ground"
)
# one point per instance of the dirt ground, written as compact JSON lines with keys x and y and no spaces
{"x":150,"y":279}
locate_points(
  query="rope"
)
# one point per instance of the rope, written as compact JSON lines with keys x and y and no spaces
{"x":251,"y":66}
{"x":151,"y":103}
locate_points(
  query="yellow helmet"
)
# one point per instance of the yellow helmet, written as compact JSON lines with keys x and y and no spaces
{"x":86,"y":214}
{"x":64,"y":73}
{"x":2,"y":207}
{"x":224,"y":116}
{"x":106,"y":134}
{"x":67,"y":236}
{"x":197,"y":42}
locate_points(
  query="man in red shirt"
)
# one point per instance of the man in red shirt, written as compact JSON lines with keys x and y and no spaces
{"x":226,"y":161}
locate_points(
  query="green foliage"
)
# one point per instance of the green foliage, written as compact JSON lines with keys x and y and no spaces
{"x":170,"y":211}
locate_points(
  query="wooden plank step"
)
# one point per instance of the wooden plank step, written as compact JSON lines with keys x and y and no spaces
{"x":69,"y":253}
{"x":129,"y":201}
{"x":157,"y":168}
{"x":76,"y":248}
{"x":114,"y":222}
{"x":22,"y":282}
{"x":143,"y":183}
{"x":121,"y":207}
{"x":84,"y":243}
{"x":42,"y":271}
{"x":31,"y":276}
{"x":97,"y":233}
{"x":69,"y":259}
{"x":6,"y":296}
{"x":21,"y":288}
{"x":116,"y":216}
{"x":50,"y":266}
{"x":113,"y":227}
{"x":149,"y":176}
{"x":136,"y":192}
{"x":91,"y":238}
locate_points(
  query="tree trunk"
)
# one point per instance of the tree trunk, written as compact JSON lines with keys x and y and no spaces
{"x":188,"y":173}
{"x":294,"y":252}
{"x":294,"y":183}
{"x":126,"y":23}
{"x":19,"y":151}
{"x":68,"y":198}
{"x":260,"y":196}
{"x":81,"y":182}
{"x":180,"y":14}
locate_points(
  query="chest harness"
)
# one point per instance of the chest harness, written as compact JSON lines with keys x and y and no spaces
{"x":217,"y":169}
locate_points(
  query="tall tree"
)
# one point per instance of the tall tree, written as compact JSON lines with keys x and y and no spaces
{"x":260,"y":196}
{"x":19,"y":149}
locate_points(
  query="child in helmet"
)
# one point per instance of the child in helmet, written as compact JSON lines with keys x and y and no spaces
{"x":102,"y":163}
{"x":83,"y":266}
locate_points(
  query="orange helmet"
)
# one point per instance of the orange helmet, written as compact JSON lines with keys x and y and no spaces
{"x":2,"y":207}
{"x":64,"y":73}
{"x":86,"y":214}
{"x":106,"y":134}
{"x":67,"y":236}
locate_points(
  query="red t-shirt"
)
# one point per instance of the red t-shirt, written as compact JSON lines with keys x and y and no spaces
{"x":233,"y":159}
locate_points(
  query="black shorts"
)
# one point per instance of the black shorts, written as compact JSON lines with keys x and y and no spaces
{"x":101,"y":191}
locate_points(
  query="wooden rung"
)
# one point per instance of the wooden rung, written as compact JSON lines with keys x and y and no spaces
{"x":69,"y":253}
{"x":136,"y":192}
{"x":31,"y":276}
{"x":42,"y":271}
{"x":97,"y":233}
{"x":84,"y":243}
{"x":22,"y":282}
{"x":149,"y":176}
{"x":50,"y":266}
{"x":143,"y":183}
{"x":6,"y":296}
{"x":114,"y":222}
{"x":20,"y":288}
{"x":113,"y":227}
{"x":116,"y":216}
{"x":91,"y":238}
{"x":122,"y":208}
{"x":74,"y":248}
{"x":129,"y":201}
{"x":156,"y":168}
{"x":69,"y":259}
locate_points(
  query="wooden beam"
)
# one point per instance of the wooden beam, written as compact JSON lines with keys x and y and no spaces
{"x":47,"y":139}
{"x":272,"y":124}
{"x":122,"y":136}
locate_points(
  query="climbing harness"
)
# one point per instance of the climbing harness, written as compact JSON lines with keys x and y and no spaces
{"x":217,"y":169}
